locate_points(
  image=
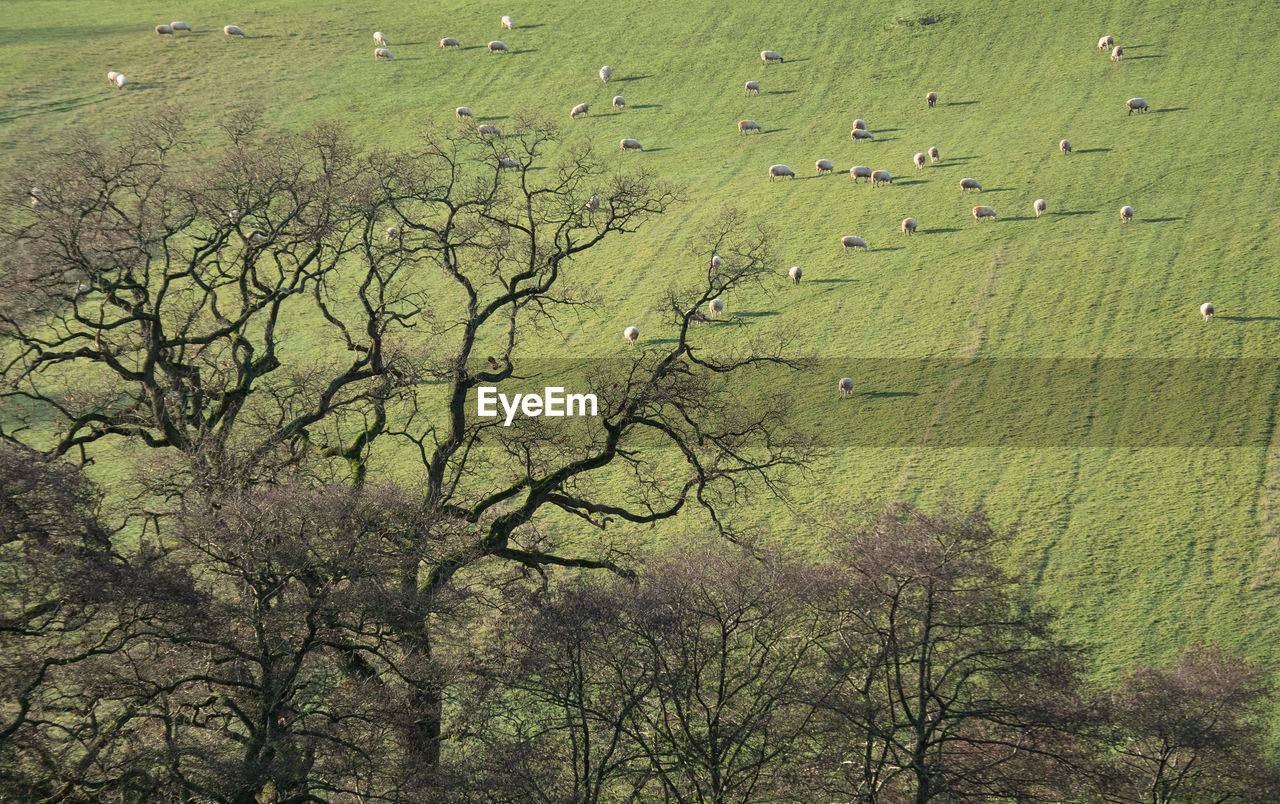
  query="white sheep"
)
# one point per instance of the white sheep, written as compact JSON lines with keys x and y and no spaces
{"x":180,"y":26}
{"x":1105,"y":42}
{"x":879,"y":177}
{"x":770,"y":55}
{"x":38,"y":201}
{"x":919,"y":160}
{"x":164,"y":30}
{"x":507,"y":23}
{"x":845,"y":386}
{"x":631,"y":334}
{"x":111,"y":76}
{"x":497,"y":46}
{"x":381,"y":53}
{"x":393,"y":232}
{"x":507,"y":162}
{"x":630,"y":144}
{"x":1126,"y":213}
{"x":233,"y":30}
{"x":1040,"y":205}
{"x":1136,"y":105}
{"x":488,"y":130}
{"x":257,"y":238}
{"x":780,"y":171}
{"x":605,"y":72}
{"x":619,"y":102}
{"x":853,"y":241}
{"x":380,"y":38}
{"x":983,"y":212}
{"x":752,"y":88}
{"x":933,"y":154}
{"x":909,"y":226}
{"x":1206,"y":311}
{"x":931,"y":99}
{"x":121,"y":80}
{"x":860,"y":124}
{"x":449,"y":41}
{"x":859,"y":172}
{"x":593,"y":203}
{"x":716,"y":261}
{"x":716,"y":307}
{"x":234,"y":215}
{"x":747,"y":125}
{"x":824,"y":166}
{"x":1117,"y":53}
{"x":1065,"y":146}
{"x":795,"y":274}
{"x":860,"y":134}
{"x":967,"y":184}
{"x":463,"y":111}
{"x":577,"y":111}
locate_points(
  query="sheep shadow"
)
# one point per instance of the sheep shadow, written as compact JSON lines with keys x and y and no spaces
{"x":908,"y":182}
{"x":1076,"y":212}
{"x":1245,"y":319}
{"x":487,"y":118}
{"x":938,"y":231}
{"x":780,"y":92}
{"x":631,"y":78}
{"x":535,"y":25}
{"x":1160,"y":220}
{"x":655,"y":150}
{"x":522,"y":52}
{"x":1019,"y":218}
{"x":954,"y":159}
{"x":889,"y":394}
{"x":887,"y":248}
{"x":759,"y":314}
{"x":772,"y":130}
{"x":796,"y":61}
{"x":887,"y":130}
{"x":1094,"y":151}
{"x":1170,"y":109}
{"x":998,"y":190}
{"x":828,"y":281}
{"x":960,"y":103}
{"x":1147,"y":56}
{"x":646,"y":106}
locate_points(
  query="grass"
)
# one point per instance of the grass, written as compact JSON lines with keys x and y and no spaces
{"x":1145,"y":504}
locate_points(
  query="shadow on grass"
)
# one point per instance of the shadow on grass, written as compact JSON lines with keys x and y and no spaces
{"x":954,"y":159}
{"x":655,"y":150}
{"x":535,"y":25}
{"x":524,"y":51}
{"x":1094,"y":151}
{"x":780,"y":92}
{"x":1159,"y":220}
{"x":772,"y":130}
{"x":996,"y":190}
{"x":828,"y":281}
{"x":759,"y":314}
{"x":629,"y":78}
{"x":1245,"y":319}
{"x":795,"y":61}
{"x":1075,"y":212}
{"x":889,"y":394}
{"x":887,"y":248}
{"x":1019,"y":218}
{"x":960,"y":103}
{"x":1148,"y":56}
{"x":487,"y":118}
{"x":646,"y":106}
{"x":1170,"y":109}
{"x":908,"y":182}
{"x":885,"y":130}
{"x":937,"y":231}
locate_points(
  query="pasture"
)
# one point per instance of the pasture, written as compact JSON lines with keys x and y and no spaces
{"x":1055,"y":369}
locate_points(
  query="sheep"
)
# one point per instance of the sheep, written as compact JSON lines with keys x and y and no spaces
{"x":381,"y":53}
{"x":579,"y":110}
{"x":507,"y":162}
{"x":257,"y":238}
{"x":1136,"y":105}
{"x":605,"y":72}
{"x":1117,"y":53}
{"x":1126,"y":213}
{"x":392,"y":232}
{"x":853,"y":241}
{"x":180,"y":26}
{"x":747,"y":125}
{"x":380,"y":38}
{"x":767,"y":56}
{"x":1065,"y":146}
{"x":879,"y":177}
{"x":780,"y":171}
{"x":631,"y":335}
{"x":507,"y":23}
{"x":696,"y":315}
{"x":859,"y":172}
{"x":1105,"y":42}
{"x":121,"y":80}
{"x":845,"y":386}
{"x":909,"y":226}
{"x":919,"y":160}
{"x":824,"y":166}
{"x":234,"y":216}
{"x":752,"y":88}
{"x":969,"y":184}
{"x":630,"y":144}
{"x":795,"y":273}
{"x":488,"y":130}
{"x":716,"y":307}
{"x":497,"y":46}
{"x":716,"y":261}
{"x":593,"y":203}
{"x":859,"y":134}
{"x":111,"y":76}
{"x":233,"y":30}
{"x":463,"y":111}
{"x":38,"y":201}
{"x":619,"y":102}
{"x":164,"y":30}
{"x":860,"y":124}
{"x":1039,"y":205}
{"x":1206,"y":311}
{"x":449,"y":41}
{"x":933,"y":154}
{"x":983,"y":212}
{"x":932,"y":99}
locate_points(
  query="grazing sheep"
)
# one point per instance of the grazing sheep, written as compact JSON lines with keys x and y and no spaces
{"x":879,"y":177}
{"x":859,"y":172}
{"x":507,"y":162}
{"x":593,"y":203}
{"x":577,"y":111}
{"x":1117,"y":53}
{"x":497,"y":46}
{"x":909,"y":226}
{"x":164,"y":30}
{"x":619,"y":102}
{"x":180,"y":26}
{"x":605,"y":72}
{"x":1206,"y":311}
{"x":747,"y":125}
{"x":780,"y":171}
{"x":697,"y":315}
{"x":257,"y":238}
{"x":716,"y":261}
{"x":392,"y":232}
{"x":860,"y":134}
{"x":1136,"y":105}
{"x":111,"y":76}
{"x":933,"y":154}
{"x":716,"y":307}
{"x":121,"y":80}
{"x":919,"y":160}
{"x":631,"y":334}
{"x":1065,"y":146}
{"x":380,"y":38}
{"x":449,"y":41}
{"x":983,"y":212}
{"x":38,"y":201}
{"x":853,"y":241}
{"x":1126,"y":213}
{"x":1105,"y":42}
{"x":506,"y":22}
{"x":488,"y":130}
{"x":795,"y":273}
{"x":770,"y":55}
{"x":629,"y":144}
{"x":970,"y":184}
{"x":463,"y":111}
{"x":234,"y":216}
{"x":233,"y":30}
{"x":845,"y":386}
{"x":932,"y":98}
{"x":1039,"y":205}
{"x":824,"y":166}
{"x":381,"y":53}
{"x":752,"y":88}
{"x":860,"y":124}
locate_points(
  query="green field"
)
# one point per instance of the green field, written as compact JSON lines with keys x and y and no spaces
{"x":1148,"y":525}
